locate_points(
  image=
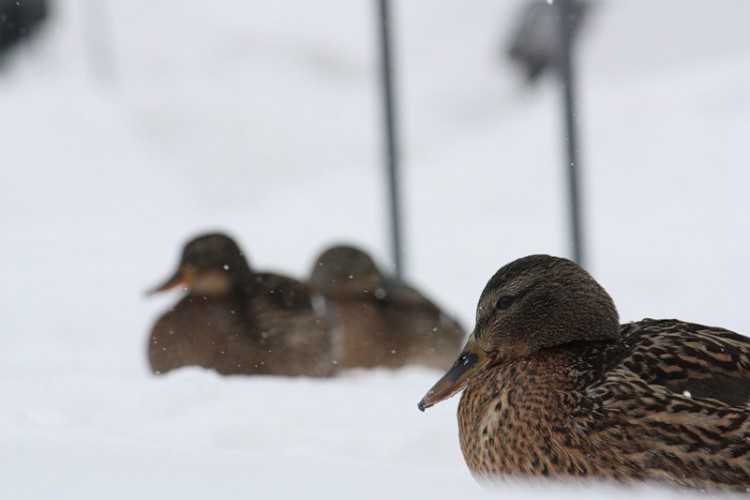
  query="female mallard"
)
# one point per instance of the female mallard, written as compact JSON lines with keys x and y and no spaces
{"x":381,"y":321}
{"x":554,"y":386}
{"x":237,"y":321}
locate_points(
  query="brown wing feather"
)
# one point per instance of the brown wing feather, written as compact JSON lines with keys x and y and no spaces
{"x":293,"y":339}
{"x":702,"y":361}
{"x":676,"y":403}
{"x":659,"y":434}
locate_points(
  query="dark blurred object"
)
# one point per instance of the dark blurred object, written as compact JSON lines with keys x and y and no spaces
{"x":535,"y":44}
{"x":19,"y":19}
{"x":392,"y":158}
{"x":378,"y":319}
{"x":544,"y":39}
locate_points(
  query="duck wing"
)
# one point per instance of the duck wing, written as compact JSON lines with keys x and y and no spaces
{"x":398,"y":292}
{"x":293,"y":339}
{"x":671,"y":405}
{"x":281,"y":291}
{"x":690,"y":359}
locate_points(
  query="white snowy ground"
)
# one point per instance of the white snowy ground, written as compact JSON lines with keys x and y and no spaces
{"x":261,"y":118}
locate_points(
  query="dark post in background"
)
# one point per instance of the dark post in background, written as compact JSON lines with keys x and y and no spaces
{"x":567,"y":20}
{"x":542,"y":42}
{"x":391,"y":142}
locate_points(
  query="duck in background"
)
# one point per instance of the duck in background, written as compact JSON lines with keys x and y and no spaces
{"x":377,"y":320}
{"x":238,"y":321}
{"x":554,"y":386}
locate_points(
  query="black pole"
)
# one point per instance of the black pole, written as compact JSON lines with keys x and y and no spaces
{"x":566,"y":26}
{"x":390,"y":135}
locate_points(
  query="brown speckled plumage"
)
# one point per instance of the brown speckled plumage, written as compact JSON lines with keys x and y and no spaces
{"x":237,"y":321}
{"x":380,"y":321}
{"x":555,"y":388}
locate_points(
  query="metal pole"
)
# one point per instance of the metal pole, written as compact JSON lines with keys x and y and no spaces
{"x":390,"y":135}
{"x":565,"y":13}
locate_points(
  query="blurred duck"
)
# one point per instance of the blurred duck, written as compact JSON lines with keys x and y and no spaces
{"x":554,"y":386}
{"x":379,"y":321}
{"x":237,"y":321}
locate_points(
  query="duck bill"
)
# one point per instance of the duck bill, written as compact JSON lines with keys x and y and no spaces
{"x":470,"y":362}
{"x":181,"y":277}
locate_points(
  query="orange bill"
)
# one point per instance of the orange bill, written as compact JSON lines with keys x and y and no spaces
{"x":181,"y":277}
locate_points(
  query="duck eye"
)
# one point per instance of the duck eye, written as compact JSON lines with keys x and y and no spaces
{"x":505,"y":302}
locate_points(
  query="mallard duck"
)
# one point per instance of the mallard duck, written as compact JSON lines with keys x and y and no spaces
{"x":381,"y":321}
{"x":237,"y":321}
{"x":554,"y":386}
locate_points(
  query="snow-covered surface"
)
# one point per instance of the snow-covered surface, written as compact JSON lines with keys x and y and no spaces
{"x":261,"y":118}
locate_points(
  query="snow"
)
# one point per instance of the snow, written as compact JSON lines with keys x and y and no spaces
{"x":262,"y":119}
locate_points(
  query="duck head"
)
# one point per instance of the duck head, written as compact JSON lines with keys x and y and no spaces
{"x":211,"y":264}
{"x":531,"y":304}
{"x":343,"y":270}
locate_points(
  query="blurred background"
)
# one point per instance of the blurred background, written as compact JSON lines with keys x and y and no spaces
{"x":128,"y":127}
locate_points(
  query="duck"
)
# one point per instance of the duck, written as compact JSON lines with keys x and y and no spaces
{"x":553,"y":386}
{"x":237,"y":321}
{"x":379,"y":320}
